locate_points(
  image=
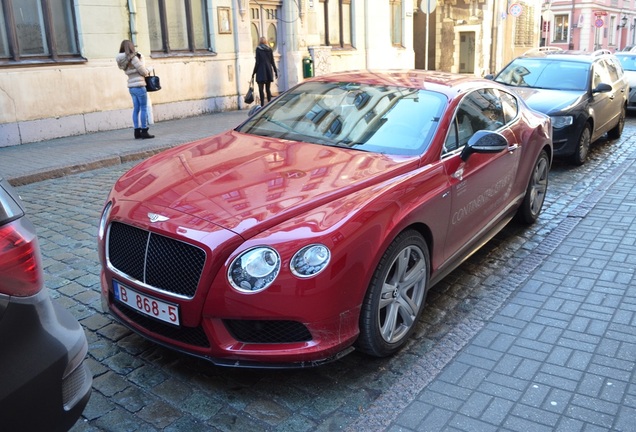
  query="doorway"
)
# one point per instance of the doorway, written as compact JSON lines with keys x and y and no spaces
{"x":419,"y":39}
{"x":467,"y":52}
{"x":264,"y":22}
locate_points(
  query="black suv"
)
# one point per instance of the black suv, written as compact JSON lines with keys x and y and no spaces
{"x":585,"y":95}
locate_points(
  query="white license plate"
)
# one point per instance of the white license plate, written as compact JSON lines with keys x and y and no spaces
{"x":146,"y":305}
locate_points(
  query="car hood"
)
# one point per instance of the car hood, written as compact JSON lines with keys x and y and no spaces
{"x":242,"y":182}
{"x":549,"y":101}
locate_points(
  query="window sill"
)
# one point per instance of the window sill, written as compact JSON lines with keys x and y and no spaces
{"x":177,"y":54}
{"x":31,"y":62}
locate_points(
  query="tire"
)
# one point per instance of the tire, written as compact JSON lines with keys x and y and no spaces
{"x":616,"y":131}
{"x":582,"y":146}
{"x":395,"y":297}
{"x":535,"y":192}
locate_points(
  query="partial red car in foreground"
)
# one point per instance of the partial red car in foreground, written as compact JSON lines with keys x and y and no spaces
{"x":319,"y":224}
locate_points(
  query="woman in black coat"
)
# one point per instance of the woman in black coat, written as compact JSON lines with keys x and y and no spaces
{"x":264,"y":69}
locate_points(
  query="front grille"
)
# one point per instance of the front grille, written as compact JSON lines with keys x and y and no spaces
{"x":265,"y":331}
{"x":158,"y":261}
{"x":187,"y":335}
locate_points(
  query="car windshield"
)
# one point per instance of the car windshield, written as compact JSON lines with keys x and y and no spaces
{"x":627,"y":61}
{"x":374,"y":118}
{"x":545,"y":73}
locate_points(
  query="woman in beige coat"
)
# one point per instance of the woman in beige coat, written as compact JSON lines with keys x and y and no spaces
{"x":132,"y":63}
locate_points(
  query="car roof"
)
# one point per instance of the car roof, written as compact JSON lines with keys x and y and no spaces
{"x":555,"y":53}
{"x":443,"y":82}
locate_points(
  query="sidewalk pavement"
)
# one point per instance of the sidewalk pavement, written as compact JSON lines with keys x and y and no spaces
{"x":560,"y":355}
{"x":28,"y":163}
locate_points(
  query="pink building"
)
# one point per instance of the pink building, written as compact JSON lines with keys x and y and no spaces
{"x":589,"y":25}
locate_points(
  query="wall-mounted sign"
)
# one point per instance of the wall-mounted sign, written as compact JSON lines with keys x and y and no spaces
{"x":515,"y":9}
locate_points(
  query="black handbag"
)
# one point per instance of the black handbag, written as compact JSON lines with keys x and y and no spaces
{"x":152,"y":83}
{"x":249,"y":96}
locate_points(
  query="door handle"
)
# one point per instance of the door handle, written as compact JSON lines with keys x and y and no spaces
{"x":513,"y":147}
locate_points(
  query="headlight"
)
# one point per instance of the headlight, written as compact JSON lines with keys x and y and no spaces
{"x":254,"y":270}
{"x":559,"y":122}
{"x":310,"y":260}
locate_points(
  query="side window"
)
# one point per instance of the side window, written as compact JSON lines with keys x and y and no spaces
{"x":480,"y":110}
{"x":601,"y":74}
{"x":462,"y":127}
{"x":486,"y":110}
{"x":613,"y":71}
{"x":452,"y":140}
{"x":509,"y":105}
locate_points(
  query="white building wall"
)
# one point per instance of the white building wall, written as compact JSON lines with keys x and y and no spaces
{"x":51,"y":101}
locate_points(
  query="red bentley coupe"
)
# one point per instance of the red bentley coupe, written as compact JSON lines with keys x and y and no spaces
{"x":319,"y":224}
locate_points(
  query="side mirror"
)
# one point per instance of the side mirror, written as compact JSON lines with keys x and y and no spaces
{"x":254,"y":110}
{"x":489,"y":77}
{"x":602,"y":88}
{"x":484,"y":141}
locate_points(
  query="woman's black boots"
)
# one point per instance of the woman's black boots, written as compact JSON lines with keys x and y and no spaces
{"x":137,"y":133}
{"x":144,"y":134}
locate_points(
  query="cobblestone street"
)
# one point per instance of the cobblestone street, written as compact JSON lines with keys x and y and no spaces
{"x":139,"y":385}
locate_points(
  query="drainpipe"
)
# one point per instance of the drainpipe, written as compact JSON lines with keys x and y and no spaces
{"x":132,"y":12}
{"x":237,"y":51}
{"x":367,"y":10}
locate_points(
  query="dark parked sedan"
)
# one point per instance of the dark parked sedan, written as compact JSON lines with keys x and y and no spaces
{"x":585,"y":95}
{"x":44,"y":381}
{"x":320,"y":223}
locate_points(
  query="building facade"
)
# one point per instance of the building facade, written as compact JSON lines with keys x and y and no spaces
{"x":58,"y":76}
{"x":588,"y":25}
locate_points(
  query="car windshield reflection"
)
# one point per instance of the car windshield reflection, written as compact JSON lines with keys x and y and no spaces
{"x":546,"y":74}
{"x":382,"y":119}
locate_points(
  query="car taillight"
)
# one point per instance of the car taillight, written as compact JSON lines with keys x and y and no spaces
{"x":20,"y":263}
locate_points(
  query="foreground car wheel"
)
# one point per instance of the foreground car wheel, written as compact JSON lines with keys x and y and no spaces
{"x":537,"y":188}
{"x":583,"y":146}
{"x":616,"y":131}
{"x":395,"y":296}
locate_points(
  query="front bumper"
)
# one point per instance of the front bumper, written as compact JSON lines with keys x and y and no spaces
{"x":251,"y":343}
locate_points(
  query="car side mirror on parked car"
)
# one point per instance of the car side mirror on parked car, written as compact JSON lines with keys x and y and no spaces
{"x":484,"y":141}
{"x":602,"y":88}
{"x":254,"y":110}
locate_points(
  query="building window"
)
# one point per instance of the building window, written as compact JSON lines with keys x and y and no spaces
{"x":178,"y":26}
{"x":561,"y":28}
{"x":613,"y":30}
{"x":396,"y":22}
{"x":38,"y":31}
{"x":334,"y":23}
